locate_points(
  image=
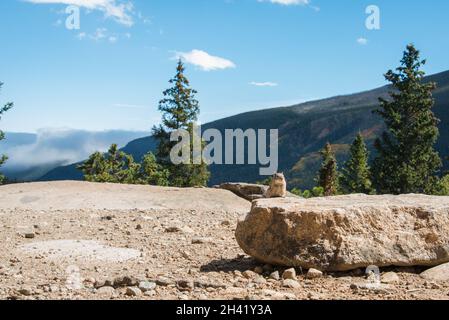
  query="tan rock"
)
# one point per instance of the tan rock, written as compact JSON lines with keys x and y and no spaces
{"x":289,"y":283}
{"x":347,"y":232}
{"x":289,"y":274}
{"x":314,"y":274}
{"x":440,"y":273}
{"x":390,"y":277}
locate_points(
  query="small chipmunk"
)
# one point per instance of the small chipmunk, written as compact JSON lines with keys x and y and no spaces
{"x":278,"y":187}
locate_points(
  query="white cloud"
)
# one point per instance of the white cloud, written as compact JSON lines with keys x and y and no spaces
{"x":204,"y":60}
{"x":263,"y":84}
{"x":120,"y":12}
{"x":288,"y":2}
{"x":362,"y":41}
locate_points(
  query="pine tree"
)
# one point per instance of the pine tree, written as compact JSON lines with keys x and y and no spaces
{"x":328,"y":175}
{"x":113,"y":167}
{"x":151,"y":172}
{"x":356,"y":175}
{"x":3,"y":158}
{"x":119,"y":167}
{"x":180,"y":110}
{"x":406,"y":160}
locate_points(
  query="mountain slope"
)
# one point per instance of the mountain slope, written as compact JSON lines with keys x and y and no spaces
{"x":303,"y":131}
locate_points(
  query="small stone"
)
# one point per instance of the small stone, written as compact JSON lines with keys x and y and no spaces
{"x":226,"y":223}
{"x":201,"y":240}
{"x":260,"y":280}
{"x":163,"y":282}
{"x":314,"y":274}
{"x":205,"y":285}
{"x":248,"y":274}
{"x":133,"y":292}
{"x":258,"y":270}
{"x":125,"y":281}
{"x":106,"y":291}
{"x":289,"y":274}
{"x":174,"y":229}
{"x":238,"y":274}
{"x":145,"y":286}
{"x":185,"y":285}
{"x":30,"y":235}
{"x":275,"y":276}
{"x":26,"y":291}
{"x":290,"y":283}
{"x":390,"y":277}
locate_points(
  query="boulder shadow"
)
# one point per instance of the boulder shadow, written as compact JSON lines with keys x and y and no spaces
{"x":230,"y":265}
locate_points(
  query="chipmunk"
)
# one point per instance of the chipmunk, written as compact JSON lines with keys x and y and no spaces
{"x":278,"y":187}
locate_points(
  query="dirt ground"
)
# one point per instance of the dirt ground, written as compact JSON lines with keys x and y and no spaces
{"x":78,"y":240}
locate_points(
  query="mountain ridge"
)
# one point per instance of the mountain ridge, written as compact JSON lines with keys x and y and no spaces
{"x":303,"y":130}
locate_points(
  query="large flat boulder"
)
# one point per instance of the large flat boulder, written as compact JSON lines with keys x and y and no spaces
{"x":348,"y":232}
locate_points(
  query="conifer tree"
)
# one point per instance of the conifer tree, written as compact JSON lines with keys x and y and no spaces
{"x":3,"y":158}
{"x":356,"y":176}
{"x":180,"y":110}
{"x":151,"y":172}
{"x":328,"y":174}
{"x":406,"y":160}
{"x":113,"y":167}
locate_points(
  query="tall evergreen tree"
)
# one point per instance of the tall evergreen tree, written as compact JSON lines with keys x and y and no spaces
{"x":328,"y":174}
{"x":407,"y":161}
{"x":3,"y":158}
{"x":180,"y":110}
{"x":356,"y":175}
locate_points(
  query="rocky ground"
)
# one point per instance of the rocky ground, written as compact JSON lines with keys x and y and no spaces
{"x":75,"y":240}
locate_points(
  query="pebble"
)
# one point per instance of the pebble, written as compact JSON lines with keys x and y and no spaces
{"x":26,"y":291}
{"x":163,"y":282}
{"x":275,"y":276}
{"x":185,"y":285}
{"x":290,"y":283}
{"x":201,"y":240}
{"x":125,"y":281}
{"x":314,"y":274}
{"x":133,"y":292}
{"x":249,"y":274}
{"x":390,"y":277}
{"x":260,"y":280}
{"x":145,"y":286}
{"x":30,"y":235}
{"x":106,"y":291}
{"x":289,"y":274}
{"x":226,"y":223}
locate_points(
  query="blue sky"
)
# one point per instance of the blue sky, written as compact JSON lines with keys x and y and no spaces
{"x":241,"y":55}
